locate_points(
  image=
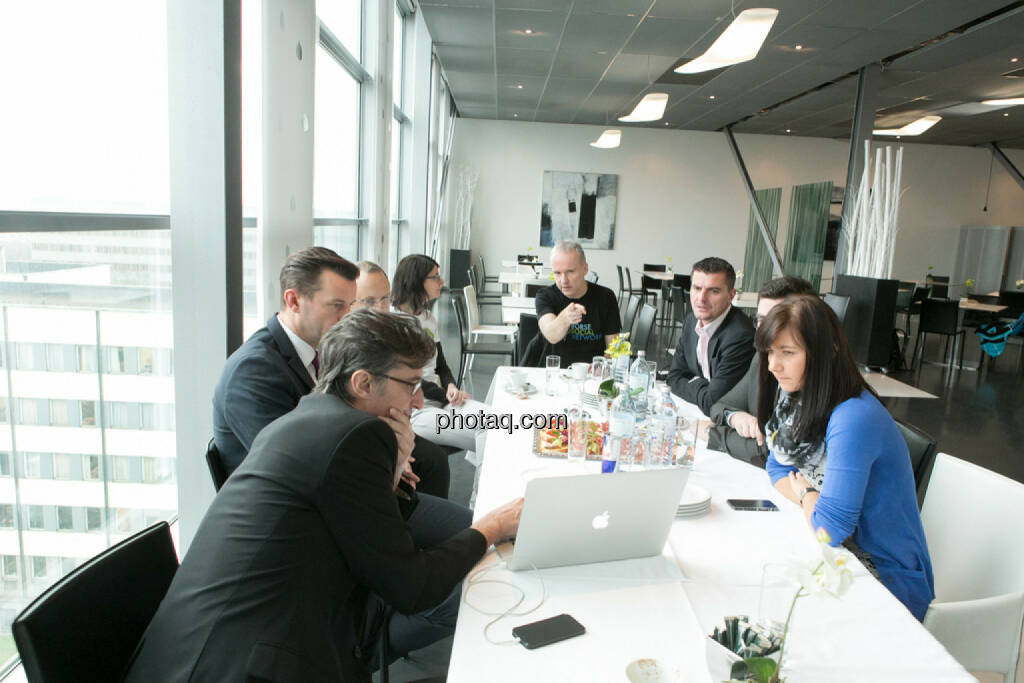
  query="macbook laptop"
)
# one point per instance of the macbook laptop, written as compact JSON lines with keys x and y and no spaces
{"x":596,"y":518}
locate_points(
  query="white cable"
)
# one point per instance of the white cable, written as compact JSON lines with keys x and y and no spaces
{"x":475,"y":580}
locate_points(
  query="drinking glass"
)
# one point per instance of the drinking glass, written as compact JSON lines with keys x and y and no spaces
{"x":579,"y":420}
{"x":599,"y":368}
{"x":552,"y":365}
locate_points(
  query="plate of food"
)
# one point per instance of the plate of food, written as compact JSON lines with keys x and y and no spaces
{"x":554,"y":442}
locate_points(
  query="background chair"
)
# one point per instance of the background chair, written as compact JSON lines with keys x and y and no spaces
{"x":622,"y":284}
{"x":528,"y":329}
{"x":632,"y":306}
{"x":630,"y":289}
{"x":490,"y":298}
{"x":939,"y":285}
{"x":644,"y":327}
{"x":1014,"y":302}
{"x":473,"y":319}
{"x":531,"y":290}
{"x":87,"y":625}
{"x":468,"y":348}
{"x":978,"y":610}
{"x":939,"y":316}
{"x":838,"y":303}
{"x":484,"y":278}
{"x":921,"y":447}
{"x":592,"y":277}
{"x":218,"y":472}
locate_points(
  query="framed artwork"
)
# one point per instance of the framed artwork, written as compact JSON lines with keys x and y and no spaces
{"x":578,"y":207}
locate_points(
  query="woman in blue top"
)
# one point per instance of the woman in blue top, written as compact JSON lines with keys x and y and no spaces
{"x":836,"y":452}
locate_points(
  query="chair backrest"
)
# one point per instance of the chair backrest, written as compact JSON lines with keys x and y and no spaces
{"x":681,"y":280}
{"x":655,"y":267}
{"x":471,"y":276}
{"x":483,"y":270}
{"x":903,"y":298}
{"x":528,"y":329}
{"x":629,"y":278}
{"x":939,"y":285}
{"x":678,"y":304}
{"x":592,"y":276}
{"x":970,"y":517}
{"x":922,"y":448}
{"x":940,"y":316}
{"x":531,"y":289}
{"x":459,"y":303}
{"x":472,"y":310}
{"x":1014,"y":301}
{"x":650,"y":284}
{"x":632,"y":305}
{"x":644,"y":326}
{"x":218,"y":472}
{"x":622,"y":284}
{"x":87,"y":626}
{"x":839,"y":304}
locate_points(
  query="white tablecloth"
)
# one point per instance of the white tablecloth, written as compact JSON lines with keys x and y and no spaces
{"x":661,"y":607}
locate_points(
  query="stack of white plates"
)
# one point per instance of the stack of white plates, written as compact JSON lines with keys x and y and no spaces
{"x":695,"y":502}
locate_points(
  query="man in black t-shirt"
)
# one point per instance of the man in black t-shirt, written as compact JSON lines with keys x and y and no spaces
{"x":578,"y":318}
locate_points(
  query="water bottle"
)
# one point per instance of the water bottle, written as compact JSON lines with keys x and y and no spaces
{"x":639,"y":378}
{"x":663,"y":427}
{"x":609,"y":454}
{"x":621,"y":420}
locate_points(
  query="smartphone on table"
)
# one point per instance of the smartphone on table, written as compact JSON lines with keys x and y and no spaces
{"x":752,"y":505}
{"x":547,"y":631}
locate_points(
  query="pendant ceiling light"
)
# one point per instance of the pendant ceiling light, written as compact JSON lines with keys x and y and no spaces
{"x":912,"y":128}
{"x":739,"y":42}
{"x":1008,"y":102}
{"x":609,"y":139}
{"x":650,"y":108}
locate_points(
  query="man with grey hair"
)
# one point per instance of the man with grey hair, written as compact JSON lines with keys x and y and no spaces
{"x":372,"y":287}
{"x":274,"y":584}
{"x":577,"y":318}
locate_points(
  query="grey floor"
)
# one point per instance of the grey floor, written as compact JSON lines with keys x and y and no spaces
{"x":979,"y":416}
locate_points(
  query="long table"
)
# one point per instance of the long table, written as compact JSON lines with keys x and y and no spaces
{"x":661,"y":607}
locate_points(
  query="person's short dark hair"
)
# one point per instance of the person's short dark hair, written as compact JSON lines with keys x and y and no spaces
{"x":301,"y":270}
{"x":830,"y":372}
{"x":713,"y":264}
{"x":407,"y":291}
{"x":370,"y":340}
{"x":781,"y":287}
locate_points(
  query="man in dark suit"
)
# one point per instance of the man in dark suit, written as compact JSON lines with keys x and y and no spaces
{"x":277,"y":365}
{"x":717,"y":340}
{"x":311,"y":520}
{"x":734,"y":428}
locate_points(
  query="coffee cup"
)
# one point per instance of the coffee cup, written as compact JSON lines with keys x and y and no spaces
{"x":516,"y":379}
{"x":579,"y":371}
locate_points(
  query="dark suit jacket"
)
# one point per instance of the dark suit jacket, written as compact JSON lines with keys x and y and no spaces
{"x":742,"y":397}
{"x":307,"y":522}
{"x":729,"y":353}
{"x":261,"y":381}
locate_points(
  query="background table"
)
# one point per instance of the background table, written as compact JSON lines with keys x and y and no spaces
{"x":661,"y":607}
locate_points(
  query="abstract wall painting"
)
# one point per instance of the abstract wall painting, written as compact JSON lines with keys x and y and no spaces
{"x":578,"y":207}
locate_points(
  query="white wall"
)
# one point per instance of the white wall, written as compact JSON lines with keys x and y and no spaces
{"x":680,"y":194}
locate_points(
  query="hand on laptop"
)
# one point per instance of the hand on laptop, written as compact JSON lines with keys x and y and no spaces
{"x":501,"y":522}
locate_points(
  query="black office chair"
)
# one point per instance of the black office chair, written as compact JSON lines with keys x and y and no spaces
{"x":838,"y":303}
{"x":86,"y":626}
{"x":471,"y":348}
{"x":485,"y":279}
{"x":632,"y":306}
{"x":488,"y":299}
{"x":939,"y":285}
{"x":922,"y":448}
{"x":218,"y":471}
{"x":680,"y":280}
{"x":528,"y":329}
{"x":644,"y":327}
{"x":678,"y":300}
{"x":630,"y":290}
{"x":939,"y":316}
{"x":1014,"y":302}
{"x":622,"y":284}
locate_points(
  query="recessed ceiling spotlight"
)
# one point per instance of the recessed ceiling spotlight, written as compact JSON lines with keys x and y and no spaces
{"x":798,"y":47}
{"x":1006,"y":113}
{"x":515,"y":116}
{"x":519,"y":86}
{"x":527,"y":31}
{"x":711,"y":97}
{"x":789,"y":130}
{"x":1014,"y":59}
{"x":666,"y":123}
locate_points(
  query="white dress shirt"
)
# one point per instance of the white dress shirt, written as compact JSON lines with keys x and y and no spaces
{"x":305,"y":351}
{"x":704,"y":334}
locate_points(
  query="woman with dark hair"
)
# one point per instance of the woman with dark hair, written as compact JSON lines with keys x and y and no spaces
{"x":835,"y":451}
{"x":416,"y":286}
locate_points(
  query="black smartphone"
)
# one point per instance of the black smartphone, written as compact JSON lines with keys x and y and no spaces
{"x":547,"y":631}
{"x":751,"y":505}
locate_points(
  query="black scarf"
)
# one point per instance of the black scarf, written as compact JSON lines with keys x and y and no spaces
{"x":779,"y":437}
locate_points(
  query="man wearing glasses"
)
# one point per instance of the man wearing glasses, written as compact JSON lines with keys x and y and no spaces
{"x":372,"y":288}
{"x":278,"y":365}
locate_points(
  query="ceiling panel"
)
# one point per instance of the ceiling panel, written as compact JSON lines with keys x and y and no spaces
{"x":524,"y":62}
{"x":616,"y":7}
{"x":567,"y":92}
{"x":477,"y":4}
{"x":546,"y":29}
{"x":665,"y":37}
{"x":861,"y":13}
{"x":581,"y":64}
{"x":457,"y":58}
{"x":637,"y":69}
{"x":553,"y":5}
{"x":472,"y":27}
{"x":939,"y":16}
{"x":587,"y":31}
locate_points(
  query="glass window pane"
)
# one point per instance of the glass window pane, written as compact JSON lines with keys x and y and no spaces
{"x":61,"y":466}
{"x":35,"y":517}
{"x":38,"y":567}
{"x":343,"y":239}
{"x":86,"y":358}
{"x":55,"y":357}
{"x":7,"y":516}
{"x":336,"y":142}
{"x":344,"y":19}
{"x":112,"y":143}
{"x":124,"y":468}
{"x":5,"y":464}
{"x":59,"y":413}
{"x":396,"y":169}
{"x":398,"y":63}
{"x":65,"y":518}
{"x":90,"y":467}
{"x":93,"y":519}
{"x":9,"y":566}
{"x":32,"y":467}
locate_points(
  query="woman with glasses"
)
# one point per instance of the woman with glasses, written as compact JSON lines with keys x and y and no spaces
{"x":415,"y":287}
{"x":835,"y":451}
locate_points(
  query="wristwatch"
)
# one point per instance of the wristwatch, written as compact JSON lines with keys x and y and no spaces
{"x":804,"y":493}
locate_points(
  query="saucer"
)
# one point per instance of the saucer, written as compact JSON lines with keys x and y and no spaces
{"x":526,"y":390}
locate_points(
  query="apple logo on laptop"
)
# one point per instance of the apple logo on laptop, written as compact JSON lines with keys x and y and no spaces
{"x":601,"y":521}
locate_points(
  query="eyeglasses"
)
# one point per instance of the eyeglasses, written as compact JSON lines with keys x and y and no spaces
{"x":371,"y":301}
{"x":433,"y":277}
{"x":416,"y":386}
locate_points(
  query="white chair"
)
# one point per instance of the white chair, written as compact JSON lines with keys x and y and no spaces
{"x":473,"y":319}
{"x":971,"y":519}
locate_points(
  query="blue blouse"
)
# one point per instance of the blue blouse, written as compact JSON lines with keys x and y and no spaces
{"x":868,"y":493}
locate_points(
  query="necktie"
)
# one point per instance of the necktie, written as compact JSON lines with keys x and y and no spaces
{"x":316,"y":365}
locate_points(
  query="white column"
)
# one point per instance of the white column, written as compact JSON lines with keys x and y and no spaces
{"x":378,"y":116}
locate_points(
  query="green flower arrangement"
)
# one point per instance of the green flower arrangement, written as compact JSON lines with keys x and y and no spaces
{"x":619,"y":346}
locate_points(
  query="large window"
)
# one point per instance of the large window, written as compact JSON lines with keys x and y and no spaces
{"x":85,"y":257}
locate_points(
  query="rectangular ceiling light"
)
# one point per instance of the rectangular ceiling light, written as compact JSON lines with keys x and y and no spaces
{"x":740,"y":42}
{"x":912,"y":128}
{"x":650,"y":108}
{"x":1008,"y":102}
{"x":609,"y":139}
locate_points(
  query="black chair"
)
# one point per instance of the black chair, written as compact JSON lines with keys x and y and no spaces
{"x":650,"y":285}
{"x":622,"y":284}
{"x":644,"y":327}
{"x":939,"y":285}
{"x":528,"y":329}
{"x":922,"y":448}
{"x":838,"y":303}
{"x":218,"y":471}
{"x":679,"y":301}
{"x":86,"y":626}
{"x":939,"y":316}
{"x":630,"y":290}
{"x":632,"y":306}
{"x":592,"y":277}
{"x":485,"y":279}
{"x":680,"y":280}
{"x":531,"y":290}
{"x":484,"y":299}
{"x":1014,"y":302}
{"x":471,"y":348}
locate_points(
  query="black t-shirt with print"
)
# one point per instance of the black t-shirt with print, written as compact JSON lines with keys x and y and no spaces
{"x":585,"y":339}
